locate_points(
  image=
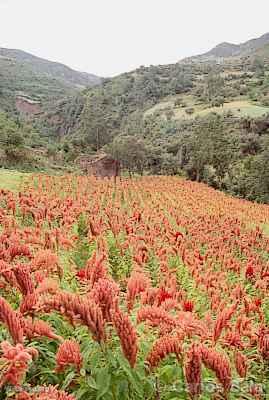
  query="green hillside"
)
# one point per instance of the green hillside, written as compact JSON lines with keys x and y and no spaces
{"x":207,"y":120}
{"x":240,"y":108}
{"x":55,"y":70}
{"x":17,"y":78}
{"x":37,"y":79}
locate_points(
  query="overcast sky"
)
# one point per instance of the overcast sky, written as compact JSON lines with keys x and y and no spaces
{"x":107,"y":37}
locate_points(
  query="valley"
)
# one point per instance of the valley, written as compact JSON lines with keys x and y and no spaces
{"x":151,"y":119}
{"x":134,"y":226}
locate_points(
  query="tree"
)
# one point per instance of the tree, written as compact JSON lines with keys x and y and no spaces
{"x":210,"y":145}
{"x":7,"y":127}
{"x":130,"y":151}
{"x":214,"y":84}
{"x":218,"y":101}
{"x":258,"y":66}
{"x":15,"y":139}
{"x":93,"y":125}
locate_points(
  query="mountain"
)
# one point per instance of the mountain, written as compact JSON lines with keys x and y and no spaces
{"x":206,"y":120}
{"x":118,"y":104}
{"x":28,"y":82}
{"x":228,"y":50}
{"x":262,"y":52}
{"x":52,"y":69}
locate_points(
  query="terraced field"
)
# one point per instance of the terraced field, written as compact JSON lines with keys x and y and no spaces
{"x":242,"y":108}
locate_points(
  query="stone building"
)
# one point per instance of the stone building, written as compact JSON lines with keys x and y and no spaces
{"x":101,"y":165}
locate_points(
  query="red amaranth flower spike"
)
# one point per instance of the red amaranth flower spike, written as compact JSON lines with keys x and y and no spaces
{"x":137,"y":283}
{"x":47,"y":285}
{"x":45,"y":393}
{"x":38,"y":328}
{"x":105,"y":293}
{"x":16,"y":250}
{"x":188,"y":305}
{"x":222,"y":321}
{"x":127,"y":334}
{"x":256,"y":391}
{"x":191,"y":325}
{"x":241,"y":364}
{"x":24,"y":279}
{"x":77,"y":309}
{"x":250,"y":272}
{"x":233,"y":339}
{"x":193,"y":371}
{"x":95,"y":269}
{"x":81,"y":274}
{"x":156,"y":316}
{"x":8,"y":274}
{"x":12,"y":320}
{"x":218,"y":363}
{"x":68,"y":354}
{"x":163,"y":346}
{"x":162,"y":295}
{"x":16,"y":358}
{"x":28,"y":303}
{"x":46,"y":261}
{"x":263,"y":342}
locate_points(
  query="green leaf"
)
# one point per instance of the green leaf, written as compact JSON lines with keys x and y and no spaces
{"x":68,"y":379}
{"x":167,"y":373}
{"x":81,"y":392}
{"x":92,"y":383}
{"x":122,"y":389}
{"x":103,"y":379}
{"x":134,"y":380}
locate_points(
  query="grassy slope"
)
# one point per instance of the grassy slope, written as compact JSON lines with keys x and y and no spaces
{"x":11,"y":180}
{"x":239,"y":107}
